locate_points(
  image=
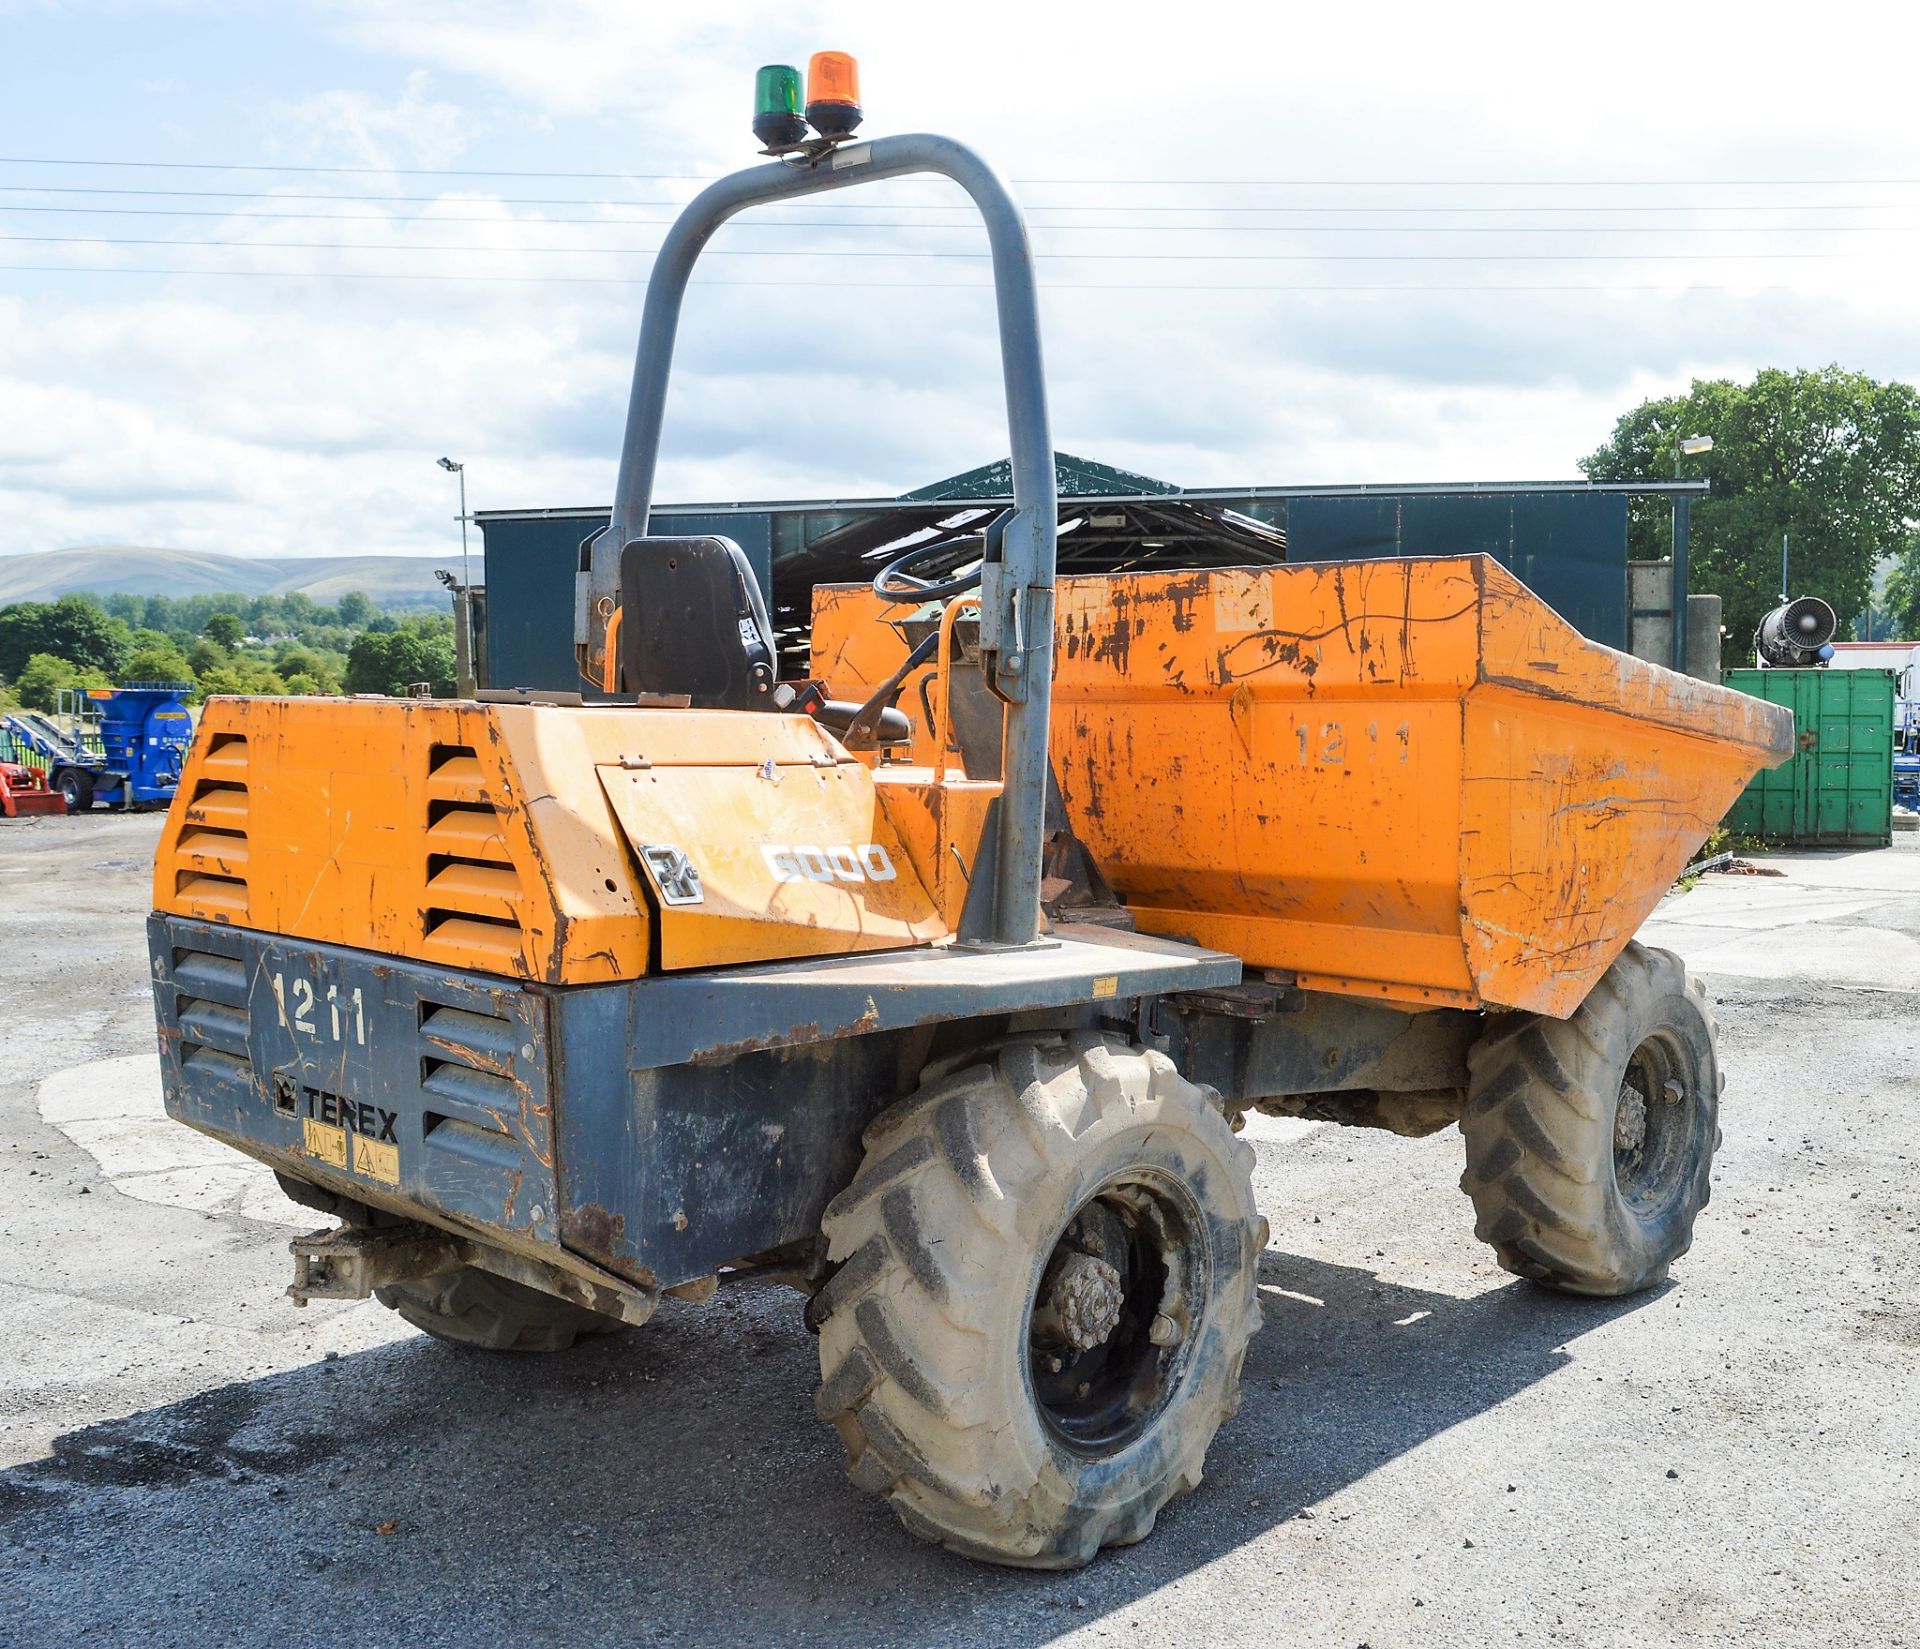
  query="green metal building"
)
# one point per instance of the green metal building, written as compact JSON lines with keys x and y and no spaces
{"x":1566,"y":540}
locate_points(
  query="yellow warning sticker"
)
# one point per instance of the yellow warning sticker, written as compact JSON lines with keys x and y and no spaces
{"x":376,"y":1159}
{"x":324,"y":1141}
{"x":1106,"y":985}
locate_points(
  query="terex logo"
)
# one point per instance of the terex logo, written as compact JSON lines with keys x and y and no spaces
{"x":356,"y":1116}
{"x":866,"y":863}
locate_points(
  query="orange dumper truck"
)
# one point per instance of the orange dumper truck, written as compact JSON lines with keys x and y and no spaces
{"x":947,"y":1016}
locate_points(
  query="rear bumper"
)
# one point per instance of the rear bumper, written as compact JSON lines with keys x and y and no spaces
{"x":651,"y":1130}
{"x":531,"y":1118}
{"x":418,"y":1090}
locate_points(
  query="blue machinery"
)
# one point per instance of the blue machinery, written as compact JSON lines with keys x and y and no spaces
{"x":126,"y":751}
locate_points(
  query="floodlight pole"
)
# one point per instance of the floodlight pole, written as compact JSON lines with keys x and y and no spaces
{"x":464,"y":606}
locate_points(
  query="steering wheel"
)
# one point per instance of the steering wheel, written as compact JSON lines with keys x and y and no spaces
{"x":896,"y":581}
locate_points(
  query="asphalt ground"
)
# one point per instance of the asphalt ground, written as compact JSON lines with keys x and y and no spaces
{"x":1430,"y":1452}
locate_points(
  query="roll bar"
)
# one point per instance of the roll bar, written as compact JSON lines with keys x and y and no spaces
{"x":1016,"y":593}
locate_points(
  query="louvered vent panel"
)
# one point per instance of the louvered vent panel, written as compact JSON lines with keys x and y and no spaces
{"x":210,"y":858}
{"x":473,"y":903}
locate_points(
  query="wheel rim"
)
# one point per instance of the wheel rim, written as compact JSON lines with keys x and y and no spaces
{"x":1653,"y":1123}
{"x":1115,"y":1312}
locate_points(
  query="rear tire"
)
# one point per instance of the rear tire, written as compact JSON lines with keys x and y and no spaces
{"x":1044,"y":1296}
{"x":76,"y":784}
{"x":1590,"y":1140}
{"x":470,"y":1307}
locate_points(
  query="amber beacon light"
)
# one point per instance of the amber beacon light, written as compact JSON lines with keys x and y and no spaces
{"x":833,"y":94}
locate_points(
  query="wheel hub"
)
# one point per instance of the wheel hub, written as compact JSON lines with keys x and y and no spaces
{"x":1653,"y":1122}
{"x":1110,"y":1324}
{"x":1079,"y":1302}
{"x":1630,"y":1119}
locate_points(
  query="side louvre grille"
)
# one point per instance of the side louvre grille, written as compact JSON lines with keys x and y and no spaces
{"x":473,"y":1075}
{"x":210,"y":859}
{"x":211,"y":1008}
{"x":473,"y":904}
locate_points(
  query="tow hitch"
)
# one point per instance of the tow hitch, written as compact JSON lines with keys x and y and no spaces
{"x":351,"y":1261}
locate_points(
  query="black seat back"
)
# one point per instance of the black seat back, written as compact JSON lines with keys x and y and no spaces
{"x":692,"y":621}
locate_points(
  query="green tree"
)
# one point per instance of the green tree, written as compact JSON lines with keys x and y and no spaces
{"x":357,"y":610}
{"x":157,"y":662}
{"x":1829,"y":458}
{"x":224,"y":630}
{"x":206,"y":654}
{"x":1898,"y":617}
{"x":45,"y":674}
{"x":76,"y":627}
{"x":299,"y":663}
{"x":245,"y":676}
{"x":392,"y":661}
{"x":370,"y":667}
{"x":295,"y":660}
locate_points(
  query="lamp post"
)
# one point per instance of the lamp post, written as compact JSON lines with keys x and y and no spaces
{"x":460,"y":470}
{"x":463,"y":628}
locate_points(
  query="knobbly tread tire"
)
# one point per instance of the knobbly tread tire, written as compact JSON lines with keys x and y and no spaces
{"x":940,"y":1241}
{"x":471,"y":1307}
{"x":1539,"y":1129}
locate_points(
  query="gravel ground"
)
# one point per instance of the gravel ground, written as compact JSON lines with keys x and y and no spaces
{"x":1430,"y":1452}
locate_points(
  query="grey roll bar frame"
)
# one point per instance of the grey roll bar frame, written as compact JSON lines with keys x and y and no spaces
{"x":1016,"y":593}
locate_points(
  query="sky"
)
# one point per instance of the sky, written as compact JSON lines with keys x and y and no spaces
{"x":264,"y":263}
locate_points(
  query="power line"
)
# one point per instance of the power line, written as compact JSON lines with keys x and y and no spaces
{"x":813,"y":291}
{"x":396,"y":200}
{"x":1130,"y":183}
{"x":924,"y":252}
{"x":973,"y":225}
{"x":915,"y":206}
{"x":346,"y":171}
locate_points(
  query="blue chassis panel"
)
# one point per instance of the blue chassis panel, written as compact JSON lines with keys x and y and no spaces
{"x":659,"y":1128}
{"x":260,"y":1037}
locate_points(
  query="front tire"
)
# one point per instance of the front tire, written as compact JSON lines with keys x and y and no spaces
{"x":1045,"y":1292}
{"x":1590,"y":1140}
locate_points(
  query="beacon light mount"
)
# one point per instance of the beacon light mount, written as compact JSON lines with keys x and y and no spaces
{"x":831,"y":106}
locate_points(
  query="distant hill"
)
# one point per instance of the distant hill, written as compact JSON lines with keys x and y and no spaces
{"x":389,"y":580}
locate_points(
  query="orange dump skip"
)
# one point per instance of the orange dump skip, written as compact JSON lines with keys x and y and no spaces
{"x":1408,"y":780}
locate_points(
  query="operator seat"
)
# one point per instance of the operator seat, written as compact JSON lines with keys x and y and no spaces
{"x":692,"y":622}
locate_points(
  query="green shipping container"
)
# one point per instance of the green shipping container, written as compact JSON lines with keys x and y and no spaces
{"x":1837,"y":791}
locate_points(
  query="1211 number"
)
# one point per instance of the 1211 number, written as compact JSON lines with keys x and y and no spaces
{"x":343,"y":1013}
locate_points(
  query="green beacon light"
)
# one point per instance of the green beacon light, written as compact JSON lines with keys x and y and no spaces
{"x":777,"y":119}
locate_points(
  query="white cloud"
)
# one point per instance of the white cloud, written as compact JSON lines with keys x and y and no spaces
{"x":258,"y":414}
{"x":415,"y":129}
